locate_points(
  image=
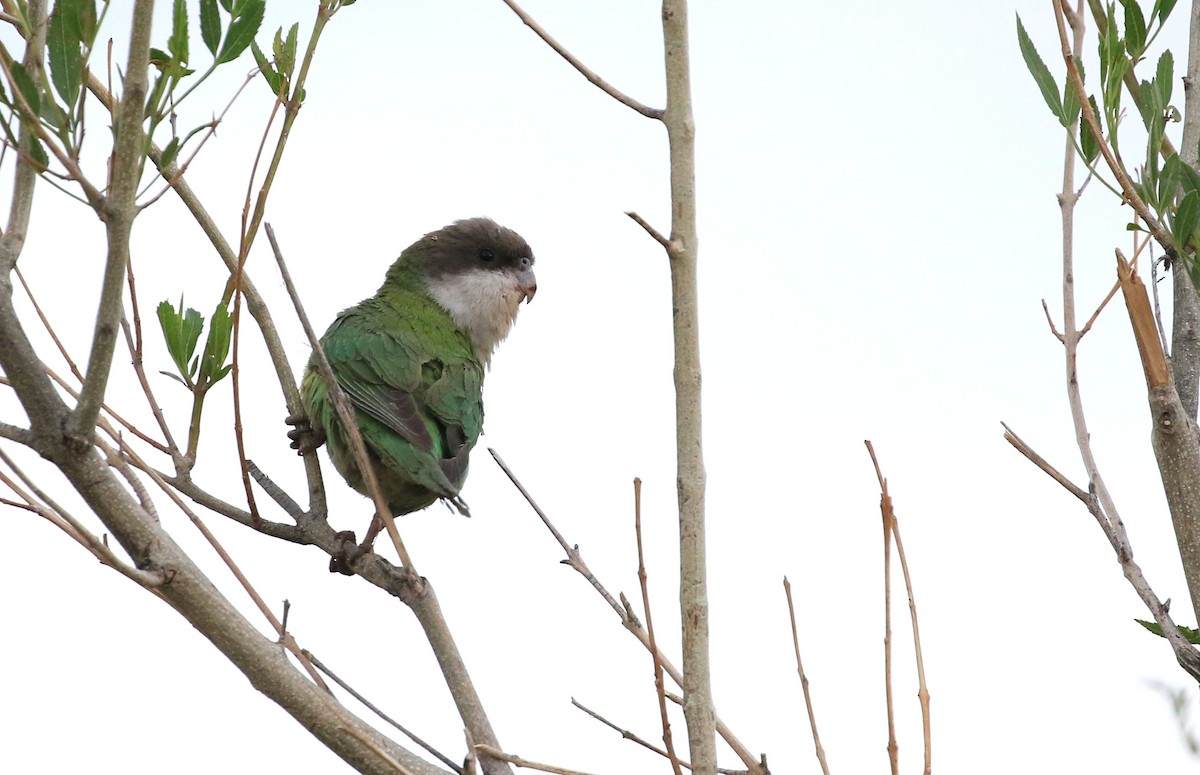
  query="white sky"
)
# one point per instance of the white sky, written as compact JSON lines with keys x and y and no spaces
{"x":878,"y":227}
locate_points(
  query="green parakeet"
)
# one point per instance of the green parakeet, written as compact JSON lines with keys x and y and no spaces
{"x":412,"y":358}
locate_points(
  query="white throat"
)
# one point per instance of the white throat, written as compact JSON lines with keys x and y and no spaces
{"x":483,"y":304}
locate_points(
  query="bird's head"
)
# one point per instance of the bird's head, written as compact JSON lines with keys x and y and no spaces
{"x":479,"y":272}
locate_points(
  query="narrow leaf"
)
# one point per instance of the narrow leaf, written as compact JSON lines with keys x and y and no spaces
{"x":1135,"y":28}
{"x":274,"y":80}
{"x":290,"y":45}
{"x":1039,"y":71}
{"x":216,"y":349}
{"x":1163,"y":9}
{"x":1193,"y":636}
{"x":242,"y":29}
{"x":210,"y":25}
{"x":37,"y":152}
{"x":1087,"y":140}
{"x":1187,"y":219}
{"x":1070,"y":98}
{"x":27,"y":88}
{"x":1168,"y":180}
{"x":63,"y":46}
{"x":170,"y":152}
{"x":1189,"y":178}
{"x":178,"y":42}
{"x":1163,"y":77}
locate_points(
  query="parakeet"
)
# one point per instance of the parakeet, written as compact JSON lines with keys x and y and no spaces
{"x":412,"y":358}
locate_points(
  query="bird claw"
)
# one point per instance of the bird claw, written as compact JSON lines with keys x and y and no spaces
{"x":351,"y":552}
{"x":305,"y":438}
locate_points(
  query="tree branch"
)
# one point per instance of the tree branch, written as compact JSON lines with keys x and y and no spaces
{"x":690,"y":479}
{"x":1185,"y":323}
{"x":604,"y":85}
{"x":119,"y":211}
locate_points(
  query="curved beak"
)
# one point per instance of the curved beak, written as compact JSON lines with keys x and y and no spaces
{"x":528,"y":284}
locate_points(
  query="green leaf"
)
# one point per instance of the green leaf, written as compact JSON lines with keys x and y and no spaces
{"x":247,"y":18}
{"x":170,"y":152}
{"x":181,"y":332}
{"x":63,"y":44}
{"x":1142,"y":189}
{"x":1149,"y":107}
{"x":1163,"y":78}
{"x":1190,"y":178}
{"x":1041,"y":74}
{"x":1162,"y":9}
{"x":274,"y":80}
{"x":1113,"y":65}
{"x":178,"y":42}
{"x":28,"y":89}
{"x":290,"y":45}
{"x":1193,"y":271}
{"x":1169,"y":179}
{"x":1135,"y":28}
{"x":1087,"y":140}
{"x":38,"y":154}
{"x":55,"y":116}
{"x":210,"y":25}
{"x":1070,"y":98}
{"x":216,"y":349}
{"x":1187,"y":219}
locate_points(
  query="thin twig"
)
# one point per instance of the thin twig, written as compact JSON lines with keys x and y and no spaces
{"x":285,"y":501}
{"x":653,"y":232}
{"x":625,"y":733}
{"x":889,"y":519}
{"x":432,"y":751}
{"x":345,"y":410}
{"x":658,"y":670}
{"x":604,"y":86}
{"x":1050,"y":320}
{"x":37,"y":308}
{"x":39,"y":503}
{"x":812,"y":718}
{"x":1042,"y":463}
{"x":134,"y":343}
{"x":575,"y":561}
{"x":885,"y":507}
{"x":496,"y":753}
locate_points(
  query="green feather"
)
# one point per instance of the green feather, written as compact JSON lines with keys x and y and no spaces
{"x":415,"y":383}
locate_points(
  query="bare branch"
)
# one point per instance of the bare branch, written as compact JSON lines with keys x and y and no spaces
{"x":403,"y":730}
{"x":604,"y":86}
{"x":653,"y":232}
{"x":1042,"y":463}
{"x":15,"y":433}
{"x":658,"y":670}
{"x":812,"y":718}
{"x":630,"y":622}
{"x":120,"y":208}
{"x":345,"y":410}
{"x":496,"y":753}
{"x":890,"y":521}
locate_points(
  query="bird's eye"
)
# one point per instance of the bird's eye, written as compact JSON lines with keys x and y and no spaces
{"x":486,"y":255}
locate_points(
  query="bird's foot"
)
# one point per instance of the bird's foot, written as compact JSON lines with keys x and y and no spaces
{"x":350,"y":553}
{"x":305,"y":438}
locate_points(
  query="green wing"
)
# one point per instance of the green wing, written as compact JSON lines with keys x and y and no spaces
{"x":416,"y":386}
